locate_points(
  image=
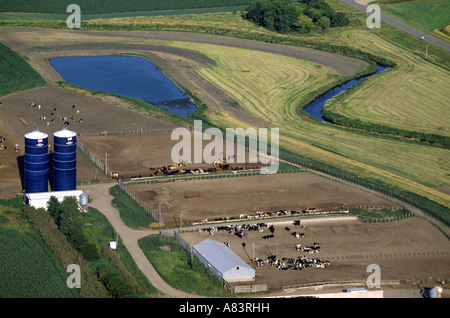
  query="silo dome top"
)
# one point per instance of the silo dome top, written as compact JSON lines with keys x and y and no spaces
{"x":64,"y":133}
{"x":36,"y":134}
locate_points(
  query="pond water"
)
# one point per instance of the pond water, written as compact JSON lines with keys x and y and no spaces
{"x":130,"y":76}
{"x":315,"y":107}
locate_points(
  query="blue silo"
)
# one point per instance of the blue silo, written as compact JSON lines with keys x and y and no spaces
{"x":36,"y":162}
{"x":64,"y":160}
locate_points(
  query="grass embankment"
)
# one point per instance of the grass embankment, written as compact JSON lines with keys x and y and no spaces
{"x":15,"y":72}
{"x":174,"y":264}
{"x":379,"y":215}
{"x":130,"y":212}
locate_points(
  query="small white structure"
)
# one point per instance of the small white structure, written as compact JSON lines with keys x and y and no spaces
{"x":223,"y":262}
{"x":40,"y":199}
{"x":113,"y":245}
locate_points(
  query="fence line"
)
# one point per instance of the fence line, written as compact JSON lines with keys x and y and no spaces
{"x":336,"y":284}
{"x":388,"y":219}
{"x":183,"y":243}
{"x":386,"y":194}
{"x":141,"y":131}
{"x":155,"y":214}
{"x":385,"y":255}
{"x":100,"y":164}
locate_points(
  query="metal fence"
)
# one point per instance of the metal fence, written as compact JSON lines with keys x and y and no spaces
{"x":388,"y":219}
{"x":140,"y":131}
{"x":99,"y":163}
{"x":246,"y":288}
{"x":155,"y":214}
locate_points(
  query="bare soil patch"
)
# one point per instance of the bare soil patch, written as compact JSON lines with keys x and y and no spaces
{"x":139,"y":155}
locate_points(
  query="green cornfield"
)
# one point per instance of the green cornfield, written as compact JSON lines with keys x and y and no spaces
{"x":110,"y":6}
{"x":27,"y":270}
{"x":16,"y":74}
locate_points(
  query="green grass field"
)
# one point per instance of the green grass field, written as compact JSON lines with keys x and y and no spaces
{"x":178,"y":269}
{"x":428,"y":16}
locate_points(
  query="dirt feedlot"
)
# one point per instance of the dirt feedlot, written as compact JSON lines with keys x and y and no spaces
{"x":137,"y":155}
{"x":410,"y":249}
{"x":247,"y":195}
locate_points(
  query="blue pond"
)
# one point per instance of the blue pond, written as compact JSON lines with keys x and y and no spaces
{"x":315,"y":107}
{"x":125,"y":75}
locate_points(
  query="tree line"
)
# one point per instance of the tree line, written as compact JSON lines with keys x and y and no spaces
{"x":301,"y":16}
{"x":61,"y":227}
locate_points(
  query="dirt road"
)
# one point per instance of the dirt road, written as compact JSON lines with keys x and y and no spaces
{"x":101,"y":200}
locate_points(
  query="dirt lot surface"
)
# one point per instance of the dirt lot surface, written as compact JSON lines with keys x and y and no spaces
{"x":247,"y":195}
{"x":138,"y":155}
{"x":18,"y":118}
{"x":399,"y":248}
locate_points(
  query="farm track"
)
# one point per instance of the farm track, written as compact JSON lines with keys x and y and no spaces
{"x":102,"y":201}
{"x":17,"y":38}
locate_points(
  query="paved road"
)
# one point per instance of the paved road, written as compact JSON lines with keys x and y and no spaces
{"x":101,"y":200}
{"x":402,"y":26}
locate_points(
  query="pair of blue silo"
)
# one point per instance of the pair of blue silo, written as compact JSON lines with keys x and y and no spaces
{"x":36,"y":163}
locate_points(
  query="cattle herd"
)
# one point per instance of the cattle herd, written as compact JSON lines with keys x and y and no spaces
{"x":53,"y":116}
{"x":182,"y":168}
{"x":284,"y":263}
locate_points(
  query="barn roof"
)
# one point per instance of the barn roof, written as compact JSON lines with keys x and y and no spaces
{"x":220,"y":256}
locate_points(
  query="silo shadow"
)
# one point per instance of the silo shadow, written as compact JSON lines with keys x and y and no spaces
{"x":21,"y":167}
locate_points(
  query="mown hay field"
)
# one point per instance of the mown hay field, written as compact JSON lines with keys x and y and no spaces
{"x":273,"y":89}
{"x":413,"y":96}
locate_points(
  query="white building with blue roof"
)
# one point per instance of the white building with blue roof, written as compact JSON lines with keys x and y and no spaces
{"x":223,"y":262}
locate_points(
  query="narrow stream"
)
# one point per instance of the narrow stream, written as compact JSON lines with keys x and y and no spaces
{"x":315,"y":107}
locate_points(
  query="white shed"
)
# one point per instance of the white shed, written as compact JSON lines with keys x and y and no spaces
{"x":223,"y":262}
{"x":40,"y":199}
